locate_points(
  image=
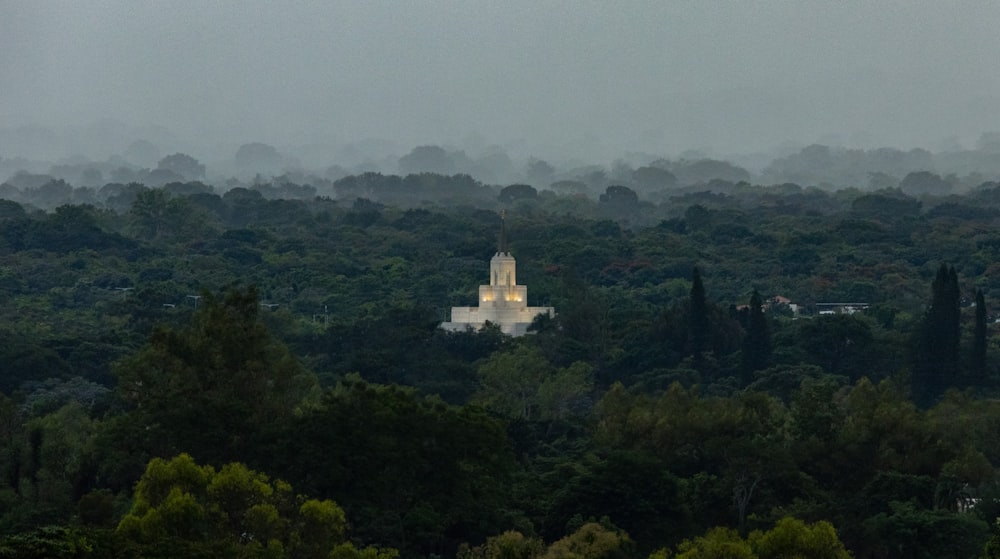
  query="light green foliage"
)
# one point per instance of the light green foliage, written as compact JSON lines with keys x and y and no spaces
{"x":566,"y":393}
{"x":348,"y":551}
{"x":717,"y":543}
{"x":321,"y":526}
{"x":42,"y":460}
{"x":523,"y":384}
{"x":591,"y":541}
{"x":51,"y":542}
{"x":790,"y":538}
{"x":508,"y":545}
{"x":510,"y":381}
{"x":234,"y":508}
{"x":992,"y":548}
{"x":512,"y":545}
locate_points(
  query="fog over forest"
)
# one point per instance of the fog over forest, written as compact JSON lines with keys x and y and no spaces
{"x":361,"y":84}
{"x":239,"y":242}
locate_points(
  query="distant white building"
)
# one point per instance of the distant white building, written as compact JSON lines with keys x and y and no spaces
{"x":841,"y":308}
{"x":502,"y":302}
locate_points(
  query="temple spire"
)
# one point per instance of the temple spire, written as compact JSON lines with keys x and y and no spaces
{"x":502,"y":243}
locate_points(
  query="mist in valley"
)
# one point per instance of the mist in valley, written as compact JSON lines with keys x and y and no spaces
{"x":649,"y":95}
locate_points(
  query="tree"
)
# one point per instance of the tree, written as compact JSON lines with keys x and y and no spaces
{"x":757,"y":342}
{"x":717,"y":543}
{"x":909,"y":530}
{"x":55,"y":192}
{"x":213,"y":387}
{"x":183,"y":165}
{"x":842,"y":344}
{"x":788,"y":538}
{"x":141,"y":153}
{"x":257,"y":157}
{"x":182,"y":508}
{"x":632,"y":489}
{"x":510,"y":545}
{"x":567,"y":392}
{"x":653,"y":178}
{"x":411,"y":472}
{"x":539,"y":171}
{"x":704,"y":170}
{"x":937,"y":351}
{"x":510,"y":381}
{"x":792,"y":537}
{"x":427,"y":159}
{"x":977,"y":362}
{"x":11,"y":210}
{"x":698,"y":316}
{"x":517,"y":192}
{"x":618,"y":196}
{"x":921,"y":183}
{"x":49,"y":542}
{"x":592,"y":541}
{"x":155,"y":214}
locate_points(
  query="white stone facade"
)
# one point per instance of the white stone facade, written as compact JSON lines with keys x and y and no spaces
{"x":502,"y":302}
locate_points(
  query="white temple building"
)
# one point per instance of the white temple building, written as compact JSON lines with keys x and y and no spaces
{"x":502,"y":302}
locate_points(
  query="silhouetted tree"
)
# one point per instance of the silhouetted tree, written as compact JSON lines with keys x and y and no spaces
{"x":652,"y":178}
{"x":258,"y":158}
{"x":698,"y":317}
{"x":757,"y":342}
{"x":427,"y":159}
{"x":924,"y":182}
{"x":183,"y":165}
{"x":977,"y":363}
{"x":619,"y":196}
{"x":936,"y":353}
{"x":517,"y":192}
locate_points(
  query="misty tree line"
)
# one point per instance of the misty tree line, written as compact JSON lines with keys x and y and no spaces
{"x":652,"y":178}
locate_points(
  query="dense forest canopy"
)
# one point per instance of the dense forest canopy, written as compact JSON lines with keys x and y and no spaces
{"x":254,"y":367}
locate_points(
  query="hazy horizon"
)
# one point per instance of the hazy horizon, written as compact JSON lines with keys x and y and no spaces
{"x":581,"y":80}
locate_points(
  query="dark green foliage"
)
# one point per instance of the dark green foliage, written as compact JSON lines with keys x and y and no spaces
{"x":910,"y":531}
{"x":50,"y":542}
{"x":361,"y":284}
{"x":757,"y":341}
{"x":617,"y":196}
{"x":886,"y":206}
{"x":841,"y":344}
{"x":936,"y":355}
{"x":24,"y":360}
{"x":977,"y":358}
{"x":410,"y":472}
{"x":633,"y":490}
{"x":213,"y":387}
{"x":517,"y":192}
{"x":698,"y":316}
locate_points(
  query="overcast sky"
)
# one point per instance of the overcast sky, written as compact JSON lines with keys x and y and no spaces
{"x":570,"y":76}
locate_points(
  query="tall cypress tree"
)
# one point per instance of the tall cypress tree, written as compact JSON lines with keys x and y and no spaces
{"x":937,"y":352}
{"x":977,"y":361}
{"x":697,"y":316}
{"x":757,"y":342}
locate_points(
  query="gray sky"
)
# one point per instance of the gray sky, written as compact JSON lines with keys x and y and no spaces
{"x":568,"y":78}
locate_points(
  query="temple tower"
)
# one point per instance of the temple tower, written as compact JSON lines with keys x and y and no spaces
{"x":502,"y":302}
